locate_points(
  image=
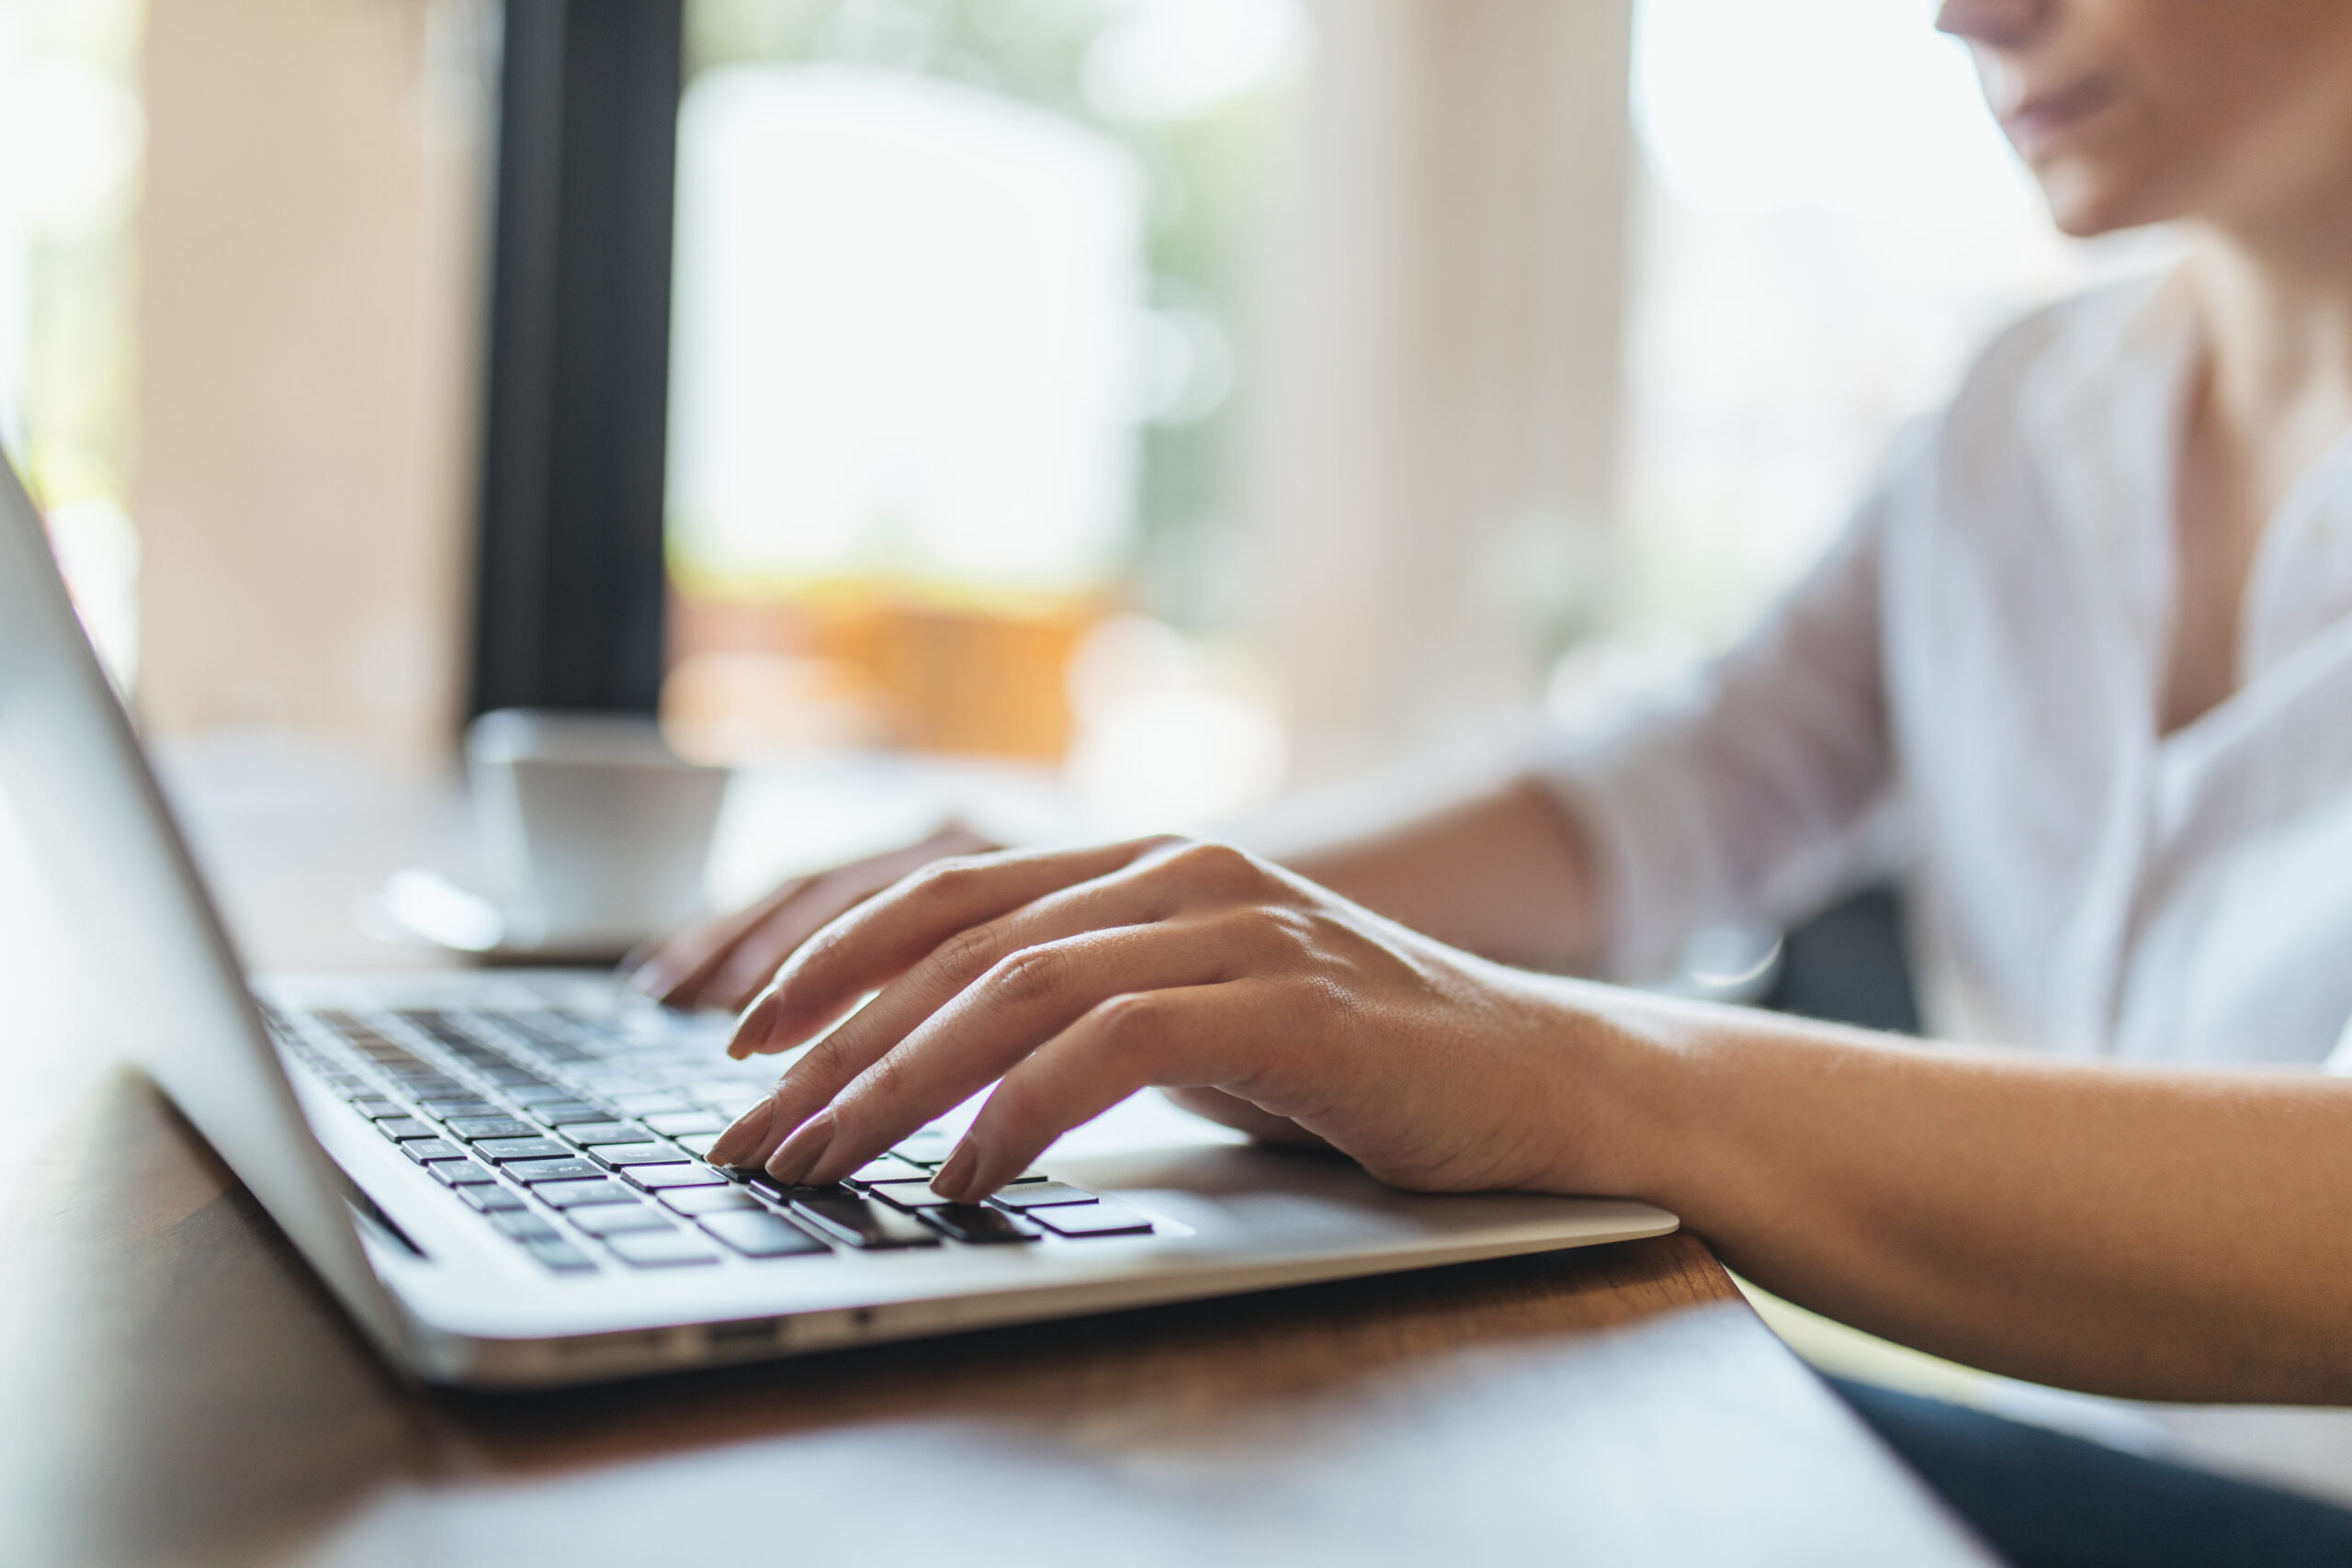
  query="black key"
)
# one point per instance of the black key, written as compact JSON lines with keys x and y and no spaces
{"x":927,"y":1148}
{"x":698,"y":1144}
{"x":564,"y":1113}
{"x":758,"y":1233}
{"x":446,"y":1108}
{"x":473,"y":1129}
{"x":524,"y":1225}
{"x":619,"y":1219}
{"x":430,"y":1083}
{"x":536,"y":1092}
{"x":505,"y":1149}
{"x":562,"y":1257}
{"x":580,"y":1194}
{"x":658,"y":1251}
{"x":459,"y":1173}
{"x":1040,"y":1195}
{"x":399,"y":1127}
{"x":658,"y":1178}
{"x":647,"y":1102}
{"x":889,"y":1167}
{"x":538,"y":1170}
{"x":906,"y":1195}
{"x":619,"y":1155}
{"x":978,"y":1223}
{"x":677,"y":1121}
{"x":372,"y":1105}
{"x":492,"y":1199}
{"x":425,"y":1150}
{"x":603,"y":1132}
{"x":776,"y":1191}
{"x":1090,"y":1219}
{"x":710,"y":1200}
{"x":864,"y":1224}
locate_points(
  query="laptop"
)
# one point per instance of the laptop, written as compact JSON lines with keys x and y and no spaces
{"x":499,"y":1174}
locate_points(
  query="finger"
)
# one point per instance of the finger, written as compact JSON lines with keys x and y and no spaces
{"x":868,"y":947}
{"x":751,"y":961}
{"x":679,"y":970}
{"x":944,"y":972}
{"x":986,"y":1031}
{"x":830,"y":1065}
{"x":962,"y":1016}
{"x":1191,"y":1037}
{"x":685,"y":971}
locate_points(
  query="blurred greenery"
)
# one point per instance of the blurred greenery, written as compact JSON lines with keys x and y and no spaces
{"x":1212,"y":181}
{"x":79,"y":395}
{"x":79,"y":415}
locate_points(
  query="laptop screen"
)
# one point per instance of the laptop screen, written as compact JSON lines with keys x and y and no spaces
{"x":72,"y":768}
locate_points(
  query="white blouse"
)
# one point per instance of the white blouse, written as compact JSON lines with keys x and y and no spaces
{"x":1979,"y":662}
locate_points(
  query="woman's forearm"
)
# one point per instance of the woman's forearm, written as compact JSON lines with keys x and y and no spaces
{"x":1508,"y":874}
{"x":2160,"y":1234}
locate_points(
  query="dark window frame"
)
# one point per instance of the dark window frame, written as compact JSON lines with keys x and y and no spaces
{"x":570,"y":584}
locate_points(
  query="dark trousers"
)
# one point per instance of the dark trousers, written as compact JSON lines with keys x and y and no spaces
{"x":2045,"y":1500}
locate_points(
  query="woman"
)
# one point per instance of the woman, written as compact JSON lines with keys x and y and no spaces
{"x":2091,"y":634}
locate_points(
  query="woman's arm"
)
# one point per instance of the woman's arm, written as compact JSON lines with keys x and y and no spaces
{"x":2160,"y":1234}
{"x":1507,"y":873}
{"x":2186,"y":1237}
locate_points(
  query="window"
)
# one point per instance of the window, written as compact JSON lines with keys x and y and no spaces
{"x":961,"y":348}
{"x":70,"y":136}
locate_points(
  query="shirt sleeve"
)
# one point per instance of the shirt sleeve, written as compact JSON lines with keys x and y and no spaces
{"x":1752,"y":793}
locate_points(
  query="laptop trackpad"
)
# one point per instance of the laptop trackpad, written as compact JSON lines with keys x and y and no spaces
{"x":1302,"y":1199}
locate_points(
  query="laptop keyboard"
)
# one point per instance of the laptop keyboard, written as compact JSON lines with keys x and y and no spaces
{"x":579,"y":1137}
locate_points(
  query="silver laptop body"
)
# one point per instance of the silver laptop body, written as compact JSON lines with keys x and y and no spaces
{"x":410,"y":1132}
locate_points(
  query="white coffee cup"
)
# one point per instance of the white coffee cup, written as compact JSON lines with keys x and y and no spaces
{"x":594,"y":832}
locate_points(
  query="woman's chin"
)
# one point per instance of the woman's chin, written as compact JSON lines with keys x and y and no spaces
{"x":2083,"y":206}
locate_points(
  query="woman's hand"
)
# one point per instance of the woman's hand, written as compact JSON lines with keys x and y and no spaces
{"x":724,"y":963}
{"x":1080,"y":977}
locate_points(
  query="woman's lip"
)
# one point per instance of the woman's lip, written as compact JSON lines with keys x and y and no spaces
{"x":2037,"y":119}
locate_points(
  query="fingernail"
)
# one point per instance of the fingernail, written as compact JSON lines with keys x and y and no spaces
{"x":745,"y":1133}
{"x":804,"y":1148}
{"x":950,"y":1180}
{"x":753,"y":1026}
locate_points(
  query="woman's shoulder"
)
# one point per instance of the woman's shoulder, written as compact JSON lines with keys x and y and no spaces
{"x":2045,"y":392}
{"x":2068,"y":349}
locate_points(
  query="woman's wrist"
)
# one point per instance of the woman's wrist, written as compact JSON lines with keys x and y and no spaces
{"x":1611,"y":1071}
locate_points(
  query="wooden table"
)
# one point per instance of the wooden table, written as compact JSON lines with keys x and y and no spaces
{"x":178,"y":1389}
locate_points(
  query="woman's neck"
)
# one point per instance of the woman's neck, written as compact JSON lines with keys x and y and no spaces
{"x":2274,"y":393}
{"x":2277,"y":314}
